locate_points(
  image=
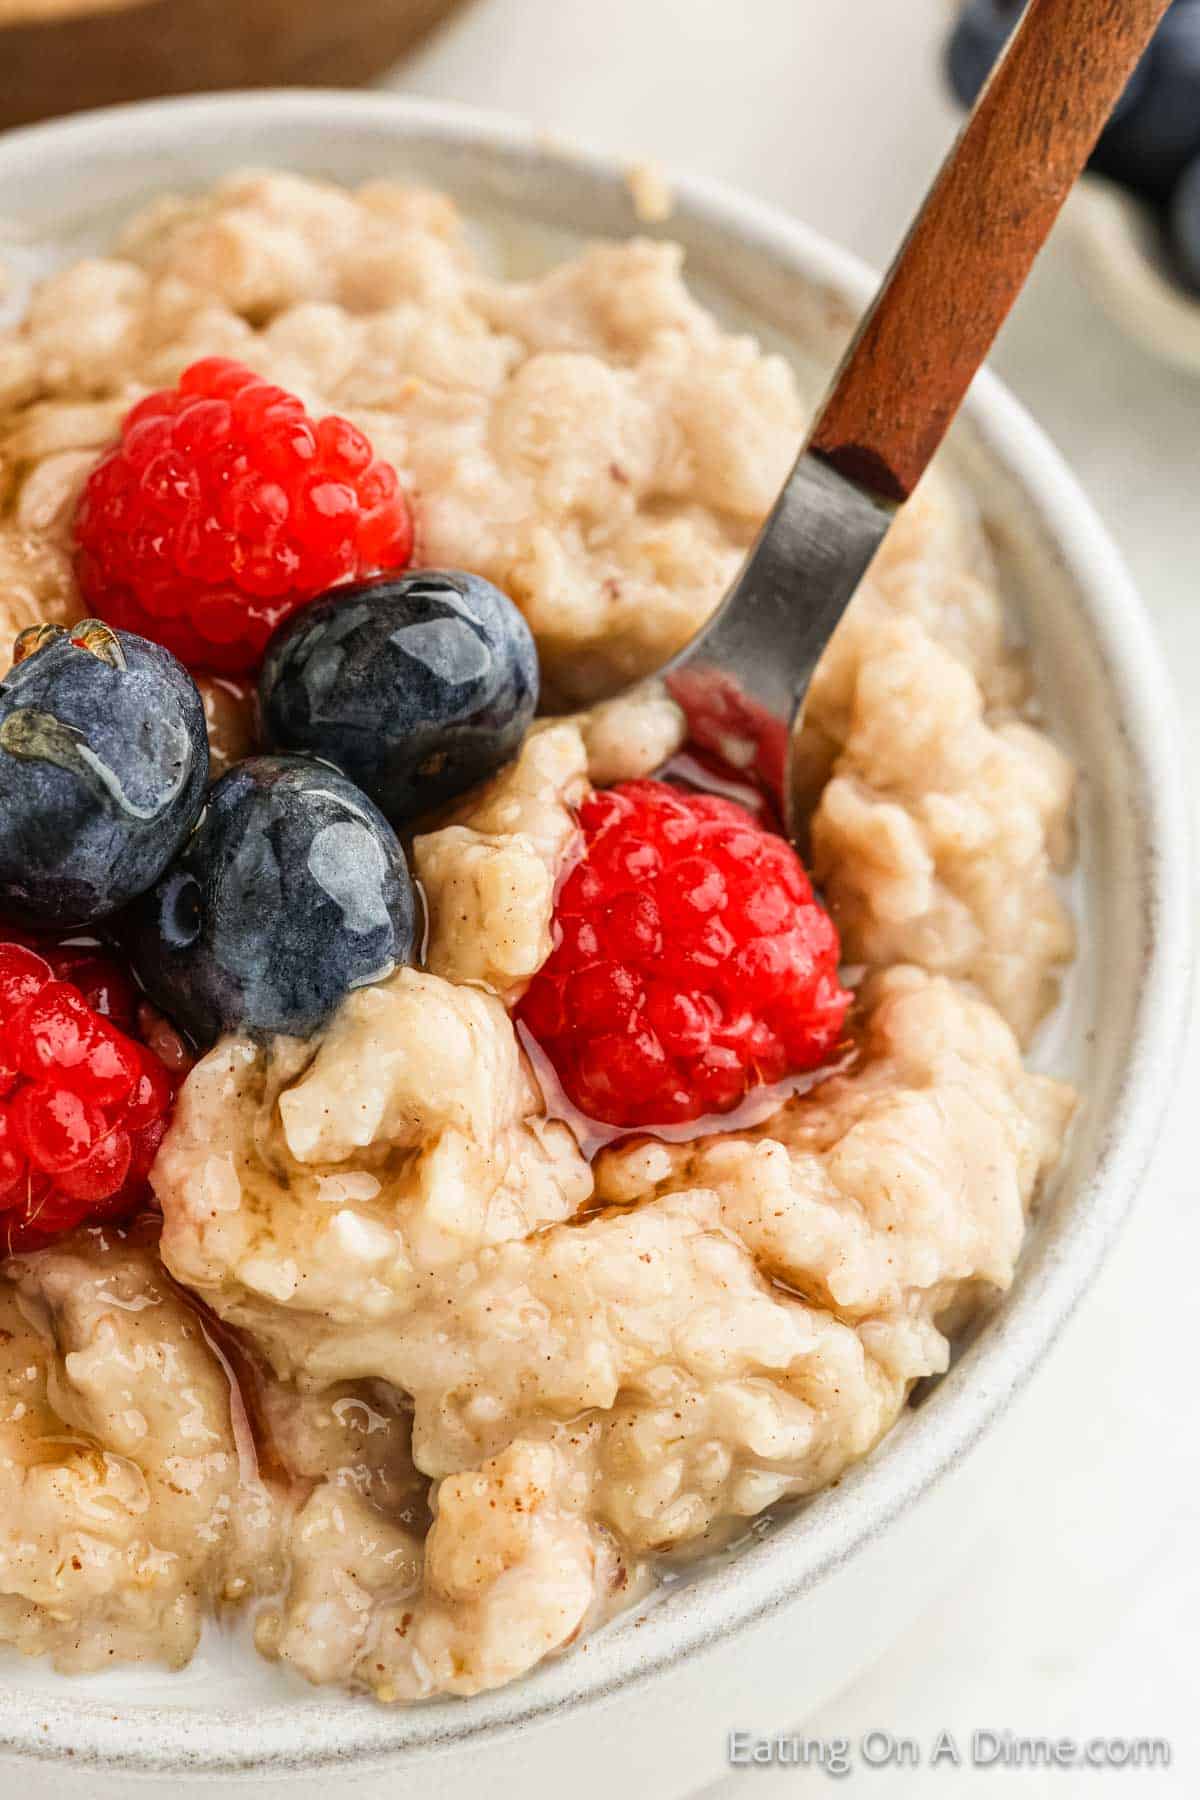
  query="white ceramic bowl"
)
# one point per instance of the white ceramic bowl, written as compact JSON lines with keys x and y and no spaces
{"x":812,"y":1596}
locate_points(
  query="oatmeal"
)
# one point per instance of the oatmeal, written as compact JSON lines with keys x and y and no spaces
{"x":413,"y":1361}
{"x":940,"y":813}
{"x":592,"y":442}
{"x":132,"y":1499}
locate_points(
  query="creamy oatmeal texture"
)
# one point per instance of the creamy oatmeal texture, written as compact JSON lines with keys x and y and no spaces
{"x":488,"y":1384}
{"x":131,"y":1500}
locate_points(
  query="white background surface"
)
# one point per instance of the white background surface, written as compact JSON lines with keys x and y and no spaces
{"x":1078,"y":1612}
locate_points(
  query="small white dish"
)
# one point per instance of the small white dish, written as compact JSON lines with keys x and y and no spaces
{"x":763,"y":1634}
{"x":1119,"y":242}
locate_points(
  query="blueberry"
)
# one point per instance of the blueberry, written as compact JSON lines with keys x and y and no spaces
{"x":1185,"y":226}
{"x":418,"y":686}
{"x":1153,"y":140}
{"x":292,"y":890}
{"x":980,"y":34}
{"x":103,"y":767}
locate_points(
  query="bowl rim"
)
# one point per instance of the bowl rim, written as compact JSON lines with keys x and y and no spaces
{"x":1123,"y":252}
{"x":776,"y":1572}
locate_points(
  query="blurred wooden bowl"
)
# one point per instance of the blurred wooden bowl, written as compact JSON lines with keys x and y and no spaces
{"x":60,"y":56}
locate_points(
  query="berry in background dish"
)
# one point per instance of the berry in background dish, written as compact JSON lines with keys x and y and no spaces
{"x":1152,"y":139}
{"x":1185,"y":217}
{"x":1149,"y":143}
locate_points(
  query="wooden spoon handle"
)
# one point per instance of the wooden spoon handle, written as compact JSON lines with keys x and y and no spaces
{"x":973,"y":243}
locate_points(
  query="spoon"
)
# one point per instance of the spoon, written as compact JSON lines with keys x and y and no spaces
{"x":907,"y":371}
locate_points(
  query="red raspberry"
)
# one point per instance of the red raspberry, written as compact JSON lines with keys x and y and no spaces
{"x":223,"y":508}
{"x":692,"y":961}
{"x":83,"y":1105}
